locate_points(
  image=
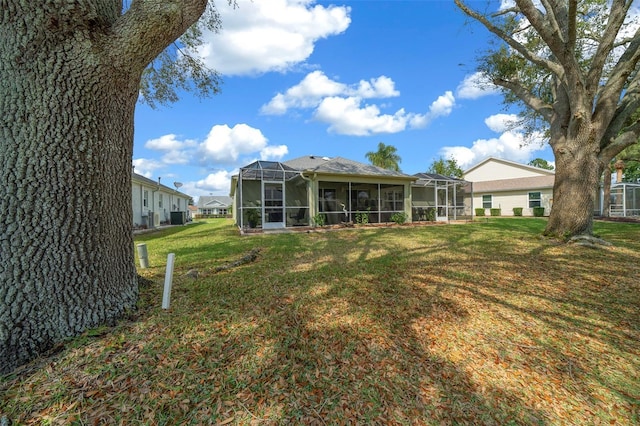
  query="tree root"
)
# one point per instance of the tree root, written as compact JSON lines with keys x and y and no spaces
{"x":589,"y":241}
{"x":248,"y":258}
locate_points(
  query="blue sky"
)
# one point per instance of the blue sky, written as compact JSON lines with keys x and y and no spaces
{"x":304,"y":77}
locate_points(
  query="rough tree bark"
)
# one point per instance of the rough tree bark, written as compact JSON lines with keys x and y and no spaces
{"x":69,"y":78}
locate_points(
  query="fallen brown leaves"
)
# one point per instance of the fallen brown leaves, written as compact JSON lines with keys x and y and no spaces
{"x":442,"y":325}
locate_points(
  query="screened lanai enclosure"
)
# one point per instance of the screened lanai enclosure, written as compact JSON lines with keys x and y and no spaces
{"x":624,"y":201}
{"x":359,"y":202}
{"x":274,"y":195}
{"x":271,"y":195}
{"x":440,"y":198}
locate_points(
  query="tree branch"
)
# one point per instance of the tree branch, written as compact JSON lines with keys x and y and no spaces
{"x":528,"y":54}
{"x":148,"y":27}
{"x":525,"y":95}
{"x":609,"y":96}
{"x":627,"y":138}
{"x":606,"y":43}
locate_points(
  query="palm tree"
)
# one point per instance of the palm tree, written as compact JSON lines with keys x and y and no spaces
{"x":385,"y":157}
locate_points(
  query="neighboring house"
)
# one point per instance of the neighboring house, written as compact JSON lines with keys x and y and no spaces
{"x":214,"y":205}
{"x":312,"y":189}
{"x":155,"y":204}
{"x":502,"y":184}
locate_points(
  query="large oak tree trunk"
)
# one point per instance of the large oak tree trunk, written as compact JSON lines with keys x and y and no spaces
{"x":65,"y":147}
{"x":67,"y":99}
{"x":577,"y":177}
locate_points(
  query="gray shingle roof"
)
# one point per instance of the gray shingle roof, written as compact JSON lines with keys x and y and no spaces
{"x":339,"y":165}
{"x":518,"y":184}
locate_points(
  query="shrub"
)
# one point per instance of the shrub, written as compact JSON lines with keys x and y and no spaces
{"x":253,"y":217}
{"x":431,"y":214}
{"x":517,"y":211}
{"x":399,"y":218}
{"x":479,"y":212}
{"x":494,"y":212}
{"x":538,"y":211}
{"x":362,"y":218}
{"x":319,"y":219}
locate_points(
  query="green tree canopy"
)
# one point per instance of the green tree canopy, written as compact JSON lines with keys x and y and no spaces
{"x":631,"y":159}
{"x":448,"y":167}
{"x":385,"y":157}
{"x":541,"y":163}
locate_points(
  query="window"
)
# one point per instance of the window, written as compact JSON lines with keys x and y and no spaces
{"x":160,"y":201}
{"x":535,"y":199}
{"x":145,"y":198}
{"x":486,"y":201}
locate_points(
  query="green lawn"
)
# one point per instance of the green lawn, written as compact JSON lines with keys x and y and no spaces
{"x":481,"y":323}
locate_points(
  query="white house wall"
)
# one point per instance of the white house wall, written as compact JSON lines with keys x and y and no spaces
{"x":496,"y":170}
{"x":172,"y":200}
{"x":136,"y":204}
{"x":507,"y":200}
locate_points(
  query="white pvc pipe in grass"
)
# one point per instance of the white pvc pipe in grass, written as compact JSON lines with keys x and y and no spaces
{"x":168,"y":280}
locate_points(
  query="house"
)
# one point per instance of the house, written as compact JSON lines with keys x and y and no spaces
{"x":313,"y":190}
{"x":505,"y":185}
{"x":155,"y":204}
{"x":214,"y":205}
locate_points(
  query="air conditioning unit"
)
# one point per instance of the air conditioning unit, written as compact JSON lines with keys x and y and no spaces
{"x":156,"y":219}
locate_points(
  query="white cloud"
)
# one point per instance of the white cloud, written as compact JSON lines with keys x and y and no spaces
{"x":273,"y":152}
{"x":346,"y":116}
{"x":316,"y":86}
{"x":500,"y":123}
{"x":176,"y":151}
{"x":225,"y":144}
{"x":306,"y":94}
{"x":475,"y":86}
{"x":164,"y":143}
{"x":146,"y":167}
{"x":511,"y":144}
{"x":441,"y":107}
{"x":218,"y":181}
{"x":261,"y":36}
{"x":381,"y":87}
{"x":342,"y":106}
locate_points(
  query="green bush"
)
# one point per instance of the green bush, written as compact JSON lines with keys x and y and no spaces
{"x":538,"y":211}
{"x":253,"y":217}
{"x":431,"y":214}
{"x":362,"y":218}
{"x":517,"y":211}
{"x":399,"y":218}
{"x":479,"y":212}
{"x":495,"y":212}
{"x":319,"y":219}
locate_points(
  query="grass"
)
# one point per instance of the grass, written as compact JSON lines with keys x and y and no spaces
{"x":482,"y":323}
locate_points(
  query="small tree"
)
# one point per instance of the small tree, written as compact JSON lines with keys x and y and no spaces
{"x":448,"y":167}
